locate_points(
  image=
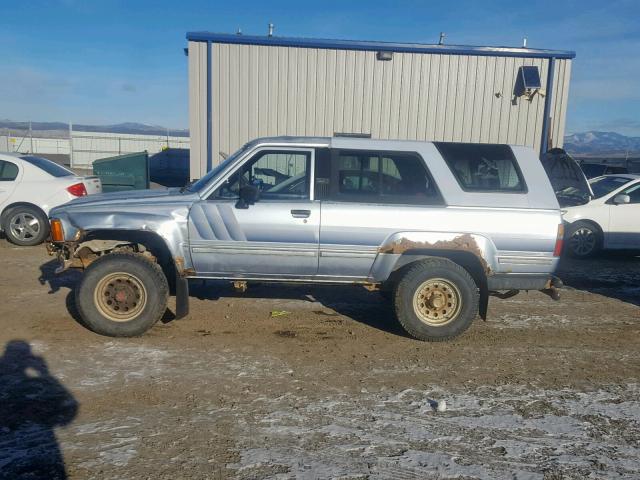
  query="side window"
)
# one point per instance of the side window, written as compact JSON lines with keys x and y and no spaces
{"x":633,"y":192}
{"x":358,"y":174}
{"x":483,"y":168}
{"x":382,"y":177}
{"x":8,"y":171}
{"x":279,"y":174}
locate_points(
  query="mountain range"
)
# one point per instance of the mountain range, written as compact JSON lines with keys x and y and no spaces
{"x":126,"y":127}
{"x":599,"y":143}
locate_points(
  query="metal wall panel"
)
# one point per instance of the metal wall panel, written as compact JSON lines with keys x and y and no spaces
{"x":260,"y":90}
{"x":559,"y":107}
{"x":198,"y":107}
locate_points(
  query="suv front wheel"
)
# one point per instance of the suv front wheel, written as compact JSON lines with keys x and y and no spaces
{"x":122,"y":295}
{"x":436,"y":299}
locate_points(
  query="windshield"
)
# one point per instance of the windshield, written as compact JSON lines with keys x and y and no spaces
{"x":48,"y":166}
{"x":204,"y":181}
{"x":601,"y":186}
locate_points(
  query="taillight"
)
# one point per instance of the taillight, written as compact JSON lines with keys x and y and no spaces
{"x":559,"y":241}
{"x":77,"y":190}
{"x":57,"y":234}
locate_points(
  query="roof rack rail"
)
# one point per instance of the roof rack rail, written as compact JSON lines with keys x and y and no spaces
{"x":352,"y":135}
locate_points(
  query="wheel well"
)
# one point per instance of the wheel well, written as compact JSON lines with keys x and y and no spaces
{"x":467,"y":260}
{"x":590,"y":222}
{"x":6,"y":209}
{"x":151,"y":241}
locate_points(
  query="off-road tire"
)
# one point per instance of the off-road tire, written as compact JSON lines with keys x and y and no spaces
{"x":591,"y":233}
{"x":449,"y":274}
{"x":30,"y":213}
{"x":146,"y":276}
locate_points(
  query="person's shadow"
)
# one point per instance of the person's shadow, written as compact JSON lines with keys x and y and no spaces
{"x":32,"y":404}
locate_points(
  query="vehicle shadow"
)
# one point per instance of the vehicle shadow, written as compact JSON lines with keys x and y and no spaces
{"x":32,"y":404}
{"x":368,"y":308}
{"x":612,"y":274}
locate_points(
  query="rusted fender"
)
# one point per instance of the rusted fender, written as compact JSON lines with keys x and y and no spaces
{"x":402,"y":243}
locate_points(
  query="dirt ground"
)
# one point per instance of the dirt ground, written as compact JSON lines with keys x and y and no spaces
{"x":330,"y":388}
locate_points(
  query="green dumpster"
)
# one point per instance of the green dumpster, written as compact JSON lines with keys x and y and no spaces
{"x":124,"y":172}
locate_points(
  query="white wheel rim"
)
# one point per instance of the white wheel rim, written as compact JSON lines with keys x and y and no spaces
{"x":437,"y":302}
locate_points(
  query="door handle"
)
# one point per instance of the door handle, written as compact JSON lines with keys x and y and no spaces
{"x":300,"y":213}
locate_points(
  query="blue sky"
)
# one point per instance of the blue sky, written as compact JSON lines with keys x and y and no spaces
{"x":112,"y":61}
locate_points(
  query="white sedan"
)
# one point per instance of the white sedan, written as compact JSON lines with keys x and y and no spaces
{"x":30,"y":186}
{"x":610,"y":220}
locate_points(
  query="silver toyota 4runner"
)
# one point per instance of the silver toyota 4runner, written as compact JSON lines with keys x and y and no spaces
{"x":436,"y":227}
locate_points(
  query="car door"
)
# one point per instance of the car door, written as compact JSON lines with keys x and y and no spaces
{"x":9,"y":172}
{"x":277,"y":235}
{"x":372,"y":195}
{"x":624,"y":220}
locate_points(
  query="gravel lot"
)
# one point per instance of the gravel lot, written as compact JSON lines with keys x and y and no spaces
{"x":330,"y":389}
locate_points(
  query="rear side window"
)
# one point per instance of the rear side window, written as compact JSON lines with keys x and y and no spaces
{"x":8,"y":171}
{"x":382,"y":177}
{"x":48,"y":166}
{"x":483,"y":168}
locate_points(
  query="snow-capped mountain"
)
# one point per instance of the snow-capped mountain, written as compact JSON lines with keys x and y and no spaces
{"x":601,"y":142}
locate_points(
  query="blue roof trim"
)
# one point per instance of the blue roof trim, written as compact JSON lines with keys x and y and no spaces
{"x":376,"y":46}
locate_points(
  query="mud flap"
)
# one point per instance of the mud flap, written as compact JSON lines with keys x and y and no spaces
{"x":182,"y":297}
{"x":484,"y":303}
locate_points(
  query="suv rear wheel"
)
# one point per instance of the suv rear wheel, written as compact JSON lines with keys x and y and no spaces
{"x":436,"y":299}
{"x":122,"y":295}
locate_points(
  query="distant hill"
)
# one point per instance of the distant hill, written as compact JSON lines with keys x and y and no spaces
{"x":127,"y":127}
{"x":599,"y":143}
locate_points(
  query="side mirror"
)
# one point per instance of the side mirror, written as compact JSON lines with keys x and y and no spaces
{"x":621,"y":199}
{"x":249,"y":194}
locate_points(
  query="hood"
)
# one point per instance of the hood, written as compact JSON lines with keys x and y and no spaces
{"x":129,"y":197}
{"x":569,"y":182}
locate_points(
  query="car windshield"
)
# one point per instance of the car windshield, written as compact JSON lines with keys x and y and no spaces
{"x":48,"y":166}
{"x":204,"y":181}
{"x":602,"y":186}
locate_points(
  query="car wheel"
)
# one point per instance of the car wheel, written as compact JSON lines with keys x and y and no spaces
{"x":122,"y":295}
{"x":436,"y":300}
{"x":25,"y":226}
{"x":584,"y":239}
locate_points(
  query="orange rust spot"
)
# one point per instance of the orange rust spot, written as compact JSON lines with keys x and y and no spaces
{"x":463,"y":242}
{"x":182,"y":271}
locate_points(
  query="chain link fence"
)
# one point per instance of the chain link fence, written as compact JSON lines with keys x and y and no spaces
{"x":79,"y":149}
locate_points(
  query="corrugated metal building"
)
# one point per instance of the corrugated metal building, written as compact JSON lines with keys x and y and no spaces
{"x":242,"y":87}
